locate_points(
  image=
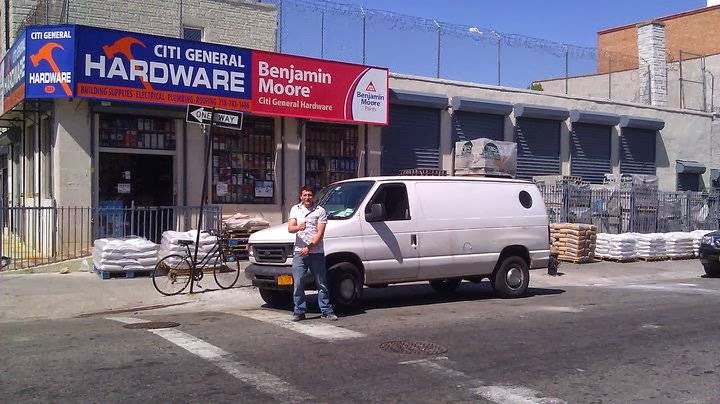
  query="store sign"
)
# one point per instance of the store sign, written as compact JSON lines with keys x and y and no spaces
{"x":78,"y":61}
{"x":50,"y":62}
{"x":13,"y":74}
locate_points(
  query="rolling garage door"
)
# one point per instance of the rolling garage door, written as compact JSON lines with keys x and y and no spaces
{"x":471,"y":125}
{"x":590,"y":152}
{"x":538,"y":142}
{"x":411,"y":140}
{"x":637,"y":151}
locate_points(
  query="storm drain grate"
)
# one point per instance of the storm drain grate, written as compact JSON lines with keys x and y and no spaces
{"x":412,"y":347}
{"x":151,"y":325}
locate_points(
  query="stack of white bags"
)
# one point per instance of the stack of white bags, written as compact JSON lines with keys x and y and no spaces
{"x":650,"y":246}
{"x":616,"y":246}
{"x":679,"y":245}
{"x":130,"y":254}
{"x":169,"y":245}
{"x":697,"y":237}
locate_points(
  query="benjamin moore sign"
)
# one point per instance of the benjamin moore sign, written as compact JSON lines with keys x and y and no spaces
{"x":86,"y":62}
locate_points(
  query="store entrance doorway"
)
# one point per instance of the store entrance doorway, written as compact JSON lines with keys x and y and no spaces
{"x":138,"y":181}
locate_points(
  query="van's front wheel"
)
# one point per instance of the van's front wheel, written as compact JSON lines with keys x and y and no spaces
{"x":345,"y":286}
{"x":512,"y":278}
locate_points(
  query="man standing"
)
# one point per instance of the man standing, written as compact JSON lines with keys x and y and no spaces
{"x":307,"y":220}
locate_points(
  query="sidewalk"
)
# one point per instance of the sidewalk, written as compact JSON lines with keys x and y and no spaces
{"x":53,"y":295}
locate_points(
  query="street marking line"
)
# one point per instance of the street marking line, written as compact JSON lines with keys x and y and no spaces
{"x":128,"y":320}
{"x":513,"y":394}
{"x":257,"y":378}
{"x":318,"y":330}
{"x":495,"y":394}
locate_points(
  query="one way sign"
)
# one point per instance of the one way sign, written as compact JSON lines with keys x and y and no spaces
{"x":223,"y":118}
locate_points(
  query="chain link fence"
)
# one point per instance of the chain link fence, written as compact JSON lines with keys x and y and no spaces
{"x":616,"y":210}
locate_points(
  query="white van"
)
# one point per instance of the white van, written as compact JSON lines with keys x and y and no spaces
{"x":384,"y":230}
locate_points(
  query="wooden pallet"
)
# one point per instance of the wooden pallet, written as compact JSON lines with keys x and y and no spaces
{"x":653,"y":259}
{"x":682,"y":258}
{"x":576,"y":260}
{"x":618,"y":260}
{"x":123,"y":274}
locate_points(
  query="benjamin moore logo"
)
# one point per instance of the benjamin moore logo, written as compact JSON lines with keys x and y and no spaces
{"x":491,"y":151}
{"x":370,"y":88}
{"x":45,"y":54}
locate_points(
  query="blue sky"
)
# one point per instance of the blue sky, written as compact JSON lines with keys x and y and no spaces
{"x":408,"y":45}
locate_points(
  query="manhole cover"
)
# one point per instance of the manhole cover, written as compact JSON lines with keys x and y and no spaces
{"x":412,"y":347}
{"x":151,"y":325}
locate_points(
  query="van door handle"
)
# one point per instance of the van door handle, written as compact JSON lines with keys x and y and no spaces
{"x":413,"y":240}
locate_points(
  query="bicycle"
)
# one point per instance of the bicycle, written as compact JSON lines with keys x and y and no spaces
{"x":173,"y":273}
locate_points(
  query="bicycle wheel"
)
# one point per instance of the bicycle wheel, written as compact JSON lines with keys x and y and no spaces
{"x":172,"y":274}
{"x":226,"y":273}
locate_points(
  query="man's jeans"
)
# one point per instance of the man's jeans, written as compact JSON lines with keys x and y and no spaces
{"x":315,"y":263}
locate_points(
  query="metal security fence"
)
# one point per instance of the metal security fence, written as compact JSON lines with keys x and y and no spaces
{"x":32,"y":236}
{"x":615,"y":210}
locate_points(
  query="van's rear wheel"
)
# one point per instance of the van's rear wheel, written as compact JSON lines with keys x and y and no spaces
{"x":445,"y":286}
{"x":512,"y":278}
{"x":345,"y":284}
{"x":279,"y":299}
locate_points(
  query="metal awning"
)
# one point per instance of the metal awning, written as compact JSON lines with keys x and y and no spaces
{"x":641,"y":123}
{"x":594,"y":117}
{"x":418,"y":99}
{"x":689,"y":167}
{"x":481,"y":106}
{"x":541,"y":112}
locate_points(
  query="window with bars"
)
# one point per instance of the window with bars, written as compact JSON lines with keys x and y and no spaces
{"x":330,"y":154}
{"x":243,"y":162}
{"x":133,"y":132}
{"x":192,"y":33}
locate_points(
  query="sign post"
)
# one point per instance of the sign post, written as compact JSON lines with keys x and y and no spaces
{"x":206,"y":117}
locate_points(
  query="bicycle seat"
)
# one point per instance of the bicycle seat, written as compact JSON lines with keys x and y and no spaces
{"x":185,"y":243}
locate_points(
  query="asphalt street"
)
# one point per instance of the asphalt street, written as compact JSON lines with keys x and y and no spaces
{"x":654,"y":341}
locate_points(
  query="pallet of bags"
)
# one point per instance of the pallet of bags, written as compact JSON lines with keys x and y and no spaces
{"x":125,"y":257}
{"x":169,"y":246}
{"x":238,"y":228}
{"x":651,"y":247}
{"x":679,"y":245}
{"x":697,"y":237}
{"x":616,"y":247}
{"x":572,"y":242}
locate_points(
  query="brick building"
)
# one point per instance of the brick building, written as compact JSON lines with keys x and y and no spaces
{"x":693,"y":32}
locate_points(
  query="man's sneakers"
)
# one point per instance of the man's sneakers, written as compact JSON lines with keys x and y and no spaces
{"x":330,"y":317}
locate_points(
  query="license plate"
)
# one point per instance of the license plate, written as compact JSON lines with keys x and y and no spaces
{"x":284,"y":280}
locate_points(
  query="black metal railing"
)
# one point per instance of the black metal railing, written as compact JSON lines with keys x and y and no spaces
{"x":33,"y":236}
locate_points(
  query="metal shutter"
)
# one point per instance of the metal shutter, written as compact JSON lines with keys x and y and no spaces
{"x":411,"y":140}
{"x":637,"y":151}
{"x":688,"y":182}
{"x":469,"y":126}
{"x":538,"y":143}
{"x":590,"y":152}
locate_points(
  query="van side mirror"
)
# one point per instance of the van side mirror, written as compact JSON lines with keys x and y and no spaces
{"x":377,"y":213}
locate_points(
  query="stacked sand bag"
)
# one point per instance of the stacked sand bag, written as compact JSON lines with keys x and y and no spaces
{"x":650,"y":246}
{"x":241,"y":221}
{"x":697,"y":237}
{"x":169,"y":244}
{"x":621,"y":247}
{"x":130,"y":254}
{"x":679,"y":245}
{"x":573,"y":242}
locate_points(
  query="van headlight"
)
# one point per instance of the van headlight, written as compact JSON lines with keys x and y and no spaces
{"x":711,"y":240}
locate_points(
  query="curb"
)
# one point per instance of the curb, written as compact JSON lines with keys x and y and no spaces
{"x":74,"y":265}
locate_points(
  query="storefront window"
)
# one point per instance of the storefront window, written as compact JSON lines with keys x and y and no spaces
{"x":243,"y":163}
{"x":330,"y":154}
{"x":133,"y":132}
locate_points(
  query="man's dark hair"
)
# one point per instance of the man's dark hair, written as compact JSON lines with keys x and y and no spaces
{"x":307,"y":188}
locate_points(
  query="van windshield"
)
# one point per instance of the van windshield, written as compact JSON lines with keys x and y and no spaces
{"x":342,"y":200}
